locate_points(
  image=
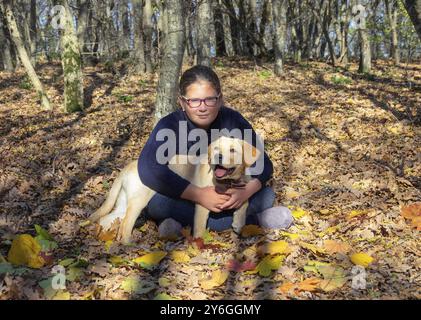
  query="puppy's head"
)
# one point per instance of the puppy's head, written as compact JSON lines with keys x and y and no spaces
{"x":229,"y":157}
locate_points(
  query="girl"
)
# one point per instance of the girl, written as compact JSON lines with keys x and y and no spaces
{"x":202,"y":107}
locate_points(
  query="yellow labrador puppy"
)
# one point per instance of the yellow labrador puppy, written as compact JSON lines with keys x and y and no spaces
{"x":224,"y":167}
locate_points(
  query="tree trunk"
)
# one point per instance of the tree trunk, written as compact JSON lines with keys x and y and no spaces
{"x":234,"y":26}
{"x":203,"y":31}
{"x":392,"y":14}
{"x":6,"y":50}
{"x":72,"y":63}
{"x":173,"y":51}
{"x":227,"y":32}
{"x":219,"y":31}
{"x":365,"y":47}
{"x":148,"y":31}
{"x":252,"y":27}
{"x":139,"y":53}
{"x":279,"y":12}
{"x":82,"y":25}
{"x":6,"y":7}
{"x":33,"y":31}
{"x":413,"y":7}
{"x":264,"y":19}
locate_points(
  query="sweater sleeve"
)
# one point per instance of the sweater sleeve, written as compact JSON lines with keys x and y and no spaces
{"x":155,"y":175}
{"x":267,"y":172}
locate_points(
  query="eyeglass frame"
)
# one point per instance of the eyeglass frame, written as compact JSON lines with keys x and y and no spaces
{"x":201,"y":101}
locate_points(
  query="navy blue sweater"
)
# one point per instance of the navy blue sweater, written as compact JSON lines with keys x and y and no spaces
{"x":160,"y":178}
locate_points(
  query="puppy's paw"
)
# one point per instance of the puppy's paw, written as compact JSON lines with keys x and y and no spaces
{"x":237,"y":229}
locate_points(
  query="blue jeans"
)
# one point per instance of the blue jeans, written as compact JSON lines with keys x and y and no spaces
{"x":161,"y":207}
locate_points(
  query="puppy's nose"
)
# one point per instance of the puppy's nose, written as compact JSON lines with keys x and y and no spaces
{"x":220,"y":158}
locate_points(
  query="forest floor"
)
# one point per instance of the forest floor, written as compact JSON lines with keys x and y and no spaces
{"x":346,"y":152}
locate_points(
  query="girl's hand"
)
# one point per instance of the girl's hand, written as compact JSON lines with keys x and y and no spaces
{"x":240,"y":196}
{"x":211,"y":200}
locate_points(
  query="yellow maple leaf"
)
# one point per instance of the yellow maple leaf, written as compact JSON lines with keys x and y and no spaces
{"x":361,"y":259}
{"x":312,"y":247}
{"x":267,"y":264}
{"x":251,"y":230}
{"x":179,"y":256}
{"x":150,"y":259}
{"x":292,"y":236}
{"x":62,"y":295}
{"x":276,"y":247}
{"x":355,"y":213}
{"x":217,"y":278}
{"x":298,"y":213}
{"x":332,"y":246}
{"x":25,"y":251}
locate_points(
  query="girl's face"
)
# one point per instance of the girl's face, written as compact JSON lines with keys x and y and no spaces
{"x":204,"y":114}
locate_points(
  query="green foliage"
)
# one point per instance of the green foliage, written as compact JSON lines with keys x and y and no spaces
{"x":125,"y":98}
{"x":219,"y":64}
{"x":264,"y":74}
{"x":25,"y":84}
{"x":340,"y":80}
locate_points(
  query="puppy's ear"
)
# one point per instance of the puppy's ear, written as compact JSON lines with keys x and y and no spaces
{"x":250,"y":154}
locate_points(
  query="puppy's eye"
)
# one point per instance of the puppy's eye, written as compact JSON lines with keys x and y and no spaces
{"x":232,"y":150}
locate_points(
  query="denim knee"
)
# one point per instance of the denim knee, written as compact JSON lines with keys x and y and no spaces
{"x":261,"y":200}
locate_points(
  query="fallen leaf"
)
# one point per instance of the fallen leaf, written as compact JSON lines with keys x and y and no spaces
{"x":25,"y":250}
{"x":62,"y":295}
{"x":267,"y":264}
{"x":164,"y":282}
{"x":217,"y":278}
{"x":312,"y":247}
{"x":309,"y":284}
{"x":276,"y":247}
{"x":179,"y":256}
{"x":134,"y":285}
{"x":297,"y":213}
{"x":237,"y":266}
{"x":151,"y":259}
{"x":332,"y":246}
{"x":361,"y":259}
{"x":251,"y":230}
{"x":163,"y":296}
{"x":413,"y":212}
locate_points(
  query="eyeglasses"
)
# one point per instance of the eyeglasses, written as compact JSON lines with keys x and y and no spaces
{"x":196,"y":102}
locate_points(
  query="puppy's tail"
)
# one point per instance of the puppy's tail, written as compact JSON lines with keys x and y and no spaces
{"x":109,"y":203}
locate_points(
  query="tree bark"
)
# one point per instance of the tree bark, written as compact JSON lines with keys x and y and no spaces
{"x":33,"y":31}
{"x":229,"y":47}
{"x":148,"y":31}
{"x":392,"y":15}
{"x":6,"y":7}
{"x":279,"y":12}
{"x":365,"y":47}
{"x":173,"y":51}
{"x":72,"y":63}
{"x":139,"y":52}
{"x":82,"y":25}
{"x":203,"y":31}
{"x":6,"y":50}
{"x":413,"y":7}
{"x":219,"y":31}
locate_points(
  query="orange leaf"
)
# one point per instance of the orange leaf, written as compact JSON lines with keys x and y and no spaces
{"x":333,"y":246}
{"x":286,"y":287}
{"x":309,"y":284}
{"x":413,"y":213}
